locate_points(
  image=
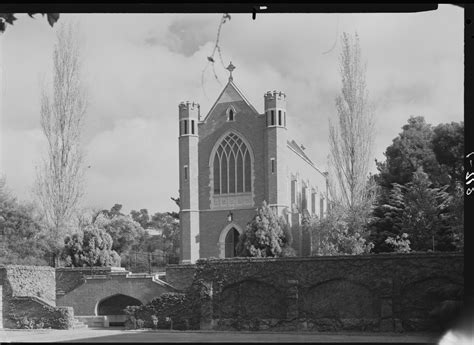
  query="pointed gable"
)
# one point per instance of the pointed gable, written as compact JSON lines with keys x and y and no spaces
{"x":230,"y":94}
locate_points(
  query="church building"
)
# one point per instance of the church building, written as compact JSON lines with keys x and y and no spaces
{"x":230,"y":162}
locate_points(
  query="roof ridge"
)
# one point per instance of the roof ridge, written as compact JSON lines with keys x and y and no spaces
{"x":230,"y":83}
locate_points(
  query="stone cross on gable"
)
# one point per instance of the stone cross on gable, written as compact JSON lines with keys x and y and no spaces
{"x":230,"y":68}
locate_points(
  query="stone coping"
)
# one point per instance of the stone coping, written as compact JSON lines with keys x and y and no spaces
{"x":96,"y":276}
{"x":35,"y":298}
{"x":28,"y":267}
{"x":384,"y":256}
{"x":184,"y":266}
{"x":107,"y":268}
{"x":126,"y":275}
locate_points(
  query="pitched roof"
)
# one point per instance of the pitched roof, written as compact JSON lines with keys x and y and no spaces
{"x":230,"y":93}
{"x":299,"y":150}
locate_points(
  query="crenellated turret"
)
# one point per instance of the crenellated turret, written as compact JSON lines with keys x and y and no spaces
{"x":275,"y":109}
{"x":275,"y":149}
{"x":188,"y":180}
{"x":189,"y":116}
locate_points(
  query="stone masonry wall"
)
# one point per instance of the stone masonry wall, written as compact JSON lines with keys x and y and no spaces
{"x":32,"y":312}
{"x":37,"y":281}
{"x":69,"y":278}
{"x":180,"y":276}
{"x":384,"y":292}
{"x":29,"y":298}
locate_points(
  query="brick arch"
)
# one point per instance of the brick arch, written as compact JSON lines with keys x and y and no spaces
{"x":120,"y":301}
{"x":339,"y":298}
{"x":418,"y":298}
{"x":85,"y":298}
{"x":244,"y":299}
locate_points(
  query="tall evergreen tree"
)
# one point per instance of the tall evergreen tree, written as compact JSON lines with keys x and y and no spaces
{"x":387,"y":218}
{"x":423,"y":213}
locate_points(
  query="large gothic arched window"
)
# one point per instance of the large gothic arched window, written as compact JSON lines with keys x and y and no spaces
{"x":232,"y":166}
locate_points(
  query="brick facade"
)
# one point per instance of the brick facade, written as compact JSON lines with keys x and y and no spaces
{"x":276,"y":161}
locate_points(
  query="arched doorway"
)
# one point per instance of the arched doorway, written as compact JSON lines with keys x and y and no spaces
{"x":231,"y":241}
{"x":113,"y":307}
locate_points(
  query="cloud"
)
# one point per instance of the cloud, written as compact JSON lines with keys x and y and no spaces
{"x":185,"y":35}
{"x":138,"y":67}
{"x":138,"y":157}
{"x":20,"y":152}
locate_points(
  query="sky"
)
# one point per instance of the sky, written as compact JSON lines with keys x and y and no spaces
{"x":138,"y":67}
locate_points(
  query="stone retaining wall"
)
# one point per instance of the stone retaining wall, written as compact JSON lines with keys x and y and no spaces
{"x":69,"y":278}
{"x":384,"y":292}
{"x":28,"y":298}
{"x":180,"y":276}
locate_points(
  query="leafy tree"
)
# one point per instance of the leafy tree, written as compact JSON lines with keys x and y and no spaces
{"x":332,"y":235}
{"x":125,"y":232}
{"x":9,"y":18}
{"x":412,"y":149}
{"x":448,"y":147}
{"x":170,"y":228}
{"x":141,"y":217}
{"x":23,"y":239}
{"x":421,"y":150}
{"x":264,"y":236}
{"x":452,"y":232}
{"x":59,"y":182}
{"x":91,"y":248}
{"x":400,"y":244}
{"x":109,"y":214}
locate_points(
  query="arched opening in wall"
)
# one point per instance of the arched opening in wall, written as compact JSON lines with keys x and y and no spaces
{"x":114,"y":308}
{"x":231,"y":240}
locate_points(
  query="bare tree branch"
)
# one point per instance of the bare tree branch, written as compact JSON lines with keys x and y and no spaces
{"x":351,"y":136}
{"x":211,"y":59}
{"x":59,"y":181}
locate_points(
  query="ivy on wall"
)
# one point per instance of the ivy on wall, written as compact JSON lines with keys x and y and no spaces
{"x":29,"y":298}
{"x":29,"y":313}
{"x":169,"y":311}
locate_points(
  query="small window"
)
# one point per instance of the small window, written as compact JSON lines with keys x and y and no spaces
{"x":230,"y":114}
{"x":313,"y":203}
{"x":293,"y":192}
{"x":180,"y":127}
{"x":272,"y":119}
{"x":185,"y":126}
{"x":321,"y":207}
{"x":273,"y":165}
{"x":192,"y":126}
{"x":185,"y":172}
{"x":304,"y":201}
{"x":279,"y":117}
{"x":284,"y":118}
